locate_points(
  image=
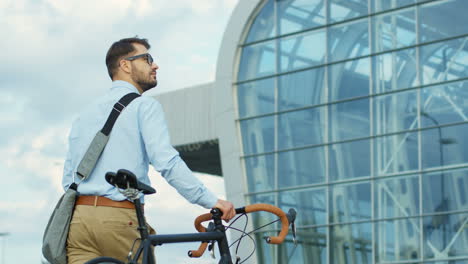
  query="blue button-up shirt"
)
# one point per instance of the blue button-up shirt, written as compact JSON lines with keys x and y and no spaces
{"x":140,"y":137}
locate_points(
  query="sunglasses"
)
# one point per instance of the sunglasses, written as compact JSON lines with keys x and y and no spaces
{"x":148,"y":56}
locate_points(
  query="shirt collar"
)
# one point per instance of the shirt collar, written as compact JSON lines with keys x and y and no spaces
{"x":126,"y":85}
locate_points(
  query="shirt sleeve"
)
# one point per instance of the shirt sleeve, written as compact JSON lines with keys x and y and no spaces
{"x":166,"y":160}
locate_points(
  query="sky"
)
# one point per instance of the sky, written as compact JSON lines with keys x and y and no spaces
{"x":52,"y":64}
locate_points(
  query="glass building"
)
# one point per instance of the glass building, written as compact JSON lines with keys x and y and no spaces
{"x":354,"y":112}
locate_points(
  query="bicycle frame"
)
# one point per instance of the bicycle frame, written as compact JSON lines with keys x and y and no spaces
{"x":215,"y":231}
{"x":218,"y":234}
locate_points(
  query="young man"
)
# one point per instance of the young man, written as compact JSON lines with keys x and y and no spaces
{"x":104,"y":223}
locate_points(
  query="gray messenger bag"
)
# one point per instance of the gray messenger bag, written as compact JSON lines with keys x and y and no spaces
{"x":54,"y":241}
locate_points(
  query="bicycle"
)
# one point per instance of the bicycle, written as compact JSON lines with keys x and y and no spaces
{"x":133,"y":189}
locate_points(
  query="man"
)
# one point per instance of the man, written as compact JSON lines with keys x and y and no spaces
{"x":103,"y":224}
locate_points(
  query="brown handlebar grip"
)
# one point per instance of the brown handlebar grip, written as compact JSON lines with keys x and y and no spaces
{"x":200,"y":219}
{"x":274,"y":210}
{"x":199,"y":252}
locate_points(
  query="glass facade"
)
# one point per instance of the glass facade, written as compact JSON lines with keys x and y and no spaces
{"x":355,"y":113}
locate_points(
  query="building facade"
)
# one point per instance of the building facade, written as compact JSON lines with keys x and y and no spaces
{"x":355,"y":113}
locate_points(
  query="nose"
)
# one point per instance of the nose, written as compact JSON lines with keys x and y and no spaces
{"x":154,"y":66}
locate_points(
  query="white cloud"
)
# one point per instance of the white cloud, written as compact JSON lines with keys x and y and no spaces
{"x":230,"y":3}
{"x":144,"y":8}
{"x":202,"y":6}
{"x":90,"y":12}
{"x":37,"y":156}
{"x":54,"y":65}
{"x":11,"y":108}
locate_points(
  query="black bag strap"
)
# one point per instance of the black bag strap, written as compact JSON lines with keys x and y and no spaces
{"x":99,"y":142}
{"x":116,"y":110}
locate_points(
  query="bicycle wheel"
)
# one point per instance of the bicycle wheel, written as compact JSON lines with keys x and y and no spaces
{"x":104,"y":260}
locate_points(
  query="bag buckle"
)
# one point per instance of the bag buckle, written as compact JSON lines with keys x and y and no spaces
{"x":119,"y":107}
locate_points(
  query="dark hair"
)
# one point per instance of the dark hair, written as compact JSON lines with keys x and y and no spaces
{"x":121,"y":48}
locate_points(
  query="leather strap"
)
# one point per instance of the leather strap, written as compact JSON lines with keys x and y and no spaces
{"x":103,"y":201}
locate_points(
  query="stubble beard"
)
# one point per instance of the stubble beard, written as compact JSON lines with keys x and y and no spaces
{"x":144,"y":83}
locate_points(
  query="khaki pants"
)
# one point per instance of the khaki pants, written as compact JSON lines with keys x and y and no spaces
{"x":97,"y":231}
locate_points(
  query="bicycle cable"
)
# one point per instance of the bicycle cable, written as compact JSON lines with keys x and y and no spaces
{"x":292,"y":252}
{"x":130,"y":254}
{"x":251,"y":238}
{"x":257,"y":229}
{"x":244,"y":234}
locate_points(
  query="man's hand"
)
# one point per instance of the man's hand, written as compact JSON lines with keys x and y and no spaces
{"x":227,"y":208}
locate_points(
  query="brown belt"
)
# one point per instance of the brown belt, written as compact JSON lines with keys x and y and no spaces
{"x":103,"y":201}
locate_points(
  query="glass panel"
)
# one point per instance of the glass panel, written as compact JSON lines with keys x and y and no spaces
{"x":397,"y":197}
{"x":395,"y":112}
{"x":351,"y":244}
{"x":301,"y":128}
{"x":264,"y":24}
{"x":349,"y":40}
{"x":394,"y":30}
{"x":257,"y":60}
{"x":256,"y":98}
{"x":301,"y":167}
{"x":301,"y":89}
{"x":258,"y":135}
{"x":350,"y":202}
{"x":394,"y":71}
{"x":446,"y":236}
{"x":350,"y":160}
{"x":297,"y":15}
{"x":381,"y":5}
{"x":444,"y":146}
{"x":260,"y":173}
{"x":442,"y":191}
{"x":311,"y":247}
{"x":349,"y":79}
{"x":443,"y":19}
{"x":349,"y":120}
{"x":301,"y":51}
{"x":396,"y":153}
{"x":444,"y":104}
{"x":444,"y":61}
{"x":311,"y":206}
{"x":343,"y":10}
{"x":398,"y":240}
{"x":266,"y":253}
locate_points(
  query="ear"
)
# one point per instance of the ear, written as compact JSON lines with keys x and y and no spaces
{"x":125,"y":66}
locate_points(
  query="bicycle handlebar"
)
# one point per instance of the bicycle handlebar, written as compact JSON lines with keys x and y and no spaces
{"x":247,"y":209}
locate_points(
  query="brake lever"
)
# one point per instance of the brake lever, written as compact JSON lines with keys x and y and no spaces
{"x":212,"y":249}
{"x":292,"y":218}
{"x":293,"y":228}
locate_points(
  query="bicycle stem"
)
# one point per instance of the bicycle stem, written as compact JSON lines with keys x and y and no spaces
{"x":223,"y":243}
